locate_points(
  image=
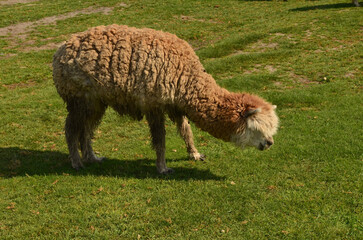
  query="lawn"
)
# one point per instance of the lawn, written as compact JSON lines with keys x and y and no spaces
{"x":304,"y":56}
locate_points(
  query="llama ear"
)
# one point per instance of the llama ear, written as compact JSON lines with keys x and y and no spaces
{"x":251,"y":112}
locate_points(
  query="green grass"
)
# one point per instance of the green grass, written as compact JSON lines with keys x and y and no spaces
{"x":304,"y":56}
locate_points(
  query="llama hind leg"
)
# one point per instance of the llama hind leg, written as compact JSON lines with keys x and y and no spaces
{"x":187,"y":134}
{"x":73,"y":128}
{"x":93,"y":115}
{"x":88,"y":154}
{"x":156,"y":122}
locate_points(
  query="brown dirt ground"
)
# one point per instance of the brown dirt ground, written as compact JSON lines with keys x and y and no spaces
{"x":11,"y":2}
{"x":18,"y":33}
{"x":21,"y":29}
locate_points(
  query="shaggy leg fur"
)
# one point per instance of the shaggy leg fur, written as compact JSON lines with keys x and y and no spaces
{"x":187,"y":134}
{"x":93,"y":116}
{"x":73,"y":129}
{"x":87,"y":152}
{"x":156,"y":122}
{"x":81,"y":121}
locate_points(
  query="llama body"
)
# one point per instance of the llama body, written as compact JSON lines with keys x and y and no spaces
{"x":143,"y":72}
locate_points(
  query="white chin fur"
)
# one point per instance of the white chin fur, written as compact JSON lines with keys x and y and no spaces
{"x":239,"y":140}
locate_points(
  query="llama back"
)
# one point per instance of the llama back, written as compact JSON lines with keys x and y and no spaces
{"x":141,"y":65}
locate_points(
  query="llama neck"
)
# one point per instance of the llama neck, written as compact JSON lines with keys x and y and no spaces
{"x":213,"y":109}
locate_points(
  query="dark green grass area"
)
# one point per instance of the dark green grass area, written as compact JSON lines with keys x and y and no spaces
{"x":303,"y":56}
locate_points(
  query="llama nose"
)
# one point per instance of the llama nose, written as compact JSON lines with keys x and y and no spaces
{"x":269,"y":143}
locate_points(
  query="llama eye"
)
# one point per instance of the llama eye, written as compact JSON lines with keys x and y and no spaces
{"x":250,"y":112}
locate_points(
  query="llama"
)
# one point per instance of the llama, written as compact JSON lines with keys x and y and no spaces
{"x":144,"y":72}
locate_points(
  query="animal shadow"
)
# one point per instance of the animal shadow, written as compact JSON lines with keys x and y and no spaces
{"x":15,"y":161}
{"x":322,"y":7}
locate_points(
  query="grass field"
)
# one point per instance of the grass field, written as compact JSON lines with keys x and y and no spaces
{"x":304,"y":56}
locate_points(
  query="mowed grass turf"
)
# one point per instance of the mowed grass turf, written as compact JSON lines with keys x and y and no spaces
{"x":303,"y":56}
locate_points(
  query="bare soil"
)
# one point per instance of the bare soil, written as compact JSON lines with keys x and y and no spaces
{"x":18,"y":33}
{"x":191,"y":18}
{"x":21,"y":30}
{"x":19,"y":85}
{"x":11,"y":2}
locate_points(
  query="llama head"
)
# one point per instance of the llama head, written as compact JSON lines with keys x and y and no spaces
{"x":259,"y":126}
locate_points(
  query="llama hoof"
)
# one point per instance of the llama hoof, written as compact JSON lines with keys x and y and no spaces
{"x":77,"y":164}
{"x":197,"y":157}
{"x":167,"y":171}
{"x":78,"y":167}
{"x":97,"y":159}
{"x":202,"y":157}
{"x":94,"y":159}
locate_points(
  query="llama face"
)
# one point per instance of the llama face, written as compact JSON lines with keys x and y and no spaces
{"x":259,"y":130}
{"x":259,"y":140}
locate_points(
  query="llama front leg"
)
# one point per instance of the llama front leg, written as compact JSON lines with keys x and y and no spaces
{"x":156,"y":122}
{"x":187,"y":134}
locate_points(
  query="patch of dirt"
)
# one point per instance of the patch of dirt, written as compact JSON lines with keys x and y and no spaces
{"x":48,"y":46}
{"x":308,"y":33}
{"x":12,"y":2}
{"x":255,"y":69}
{"x":258,"y":68}
{"x":123,"y":5}
{"x":318,"y":51}
{"x":289,"y":37}
{"x":17,"y":33}
{"x":349,"y":75}
{"x":239,"y":52}
{"x":257,"y":47}
{"x":279,"y":34}
{"x":21,"y":29}
{"x":19,"y":85}
{"x":8,"y":55}
{"x":300,"y":79}
{"x":191,"y":18}
{"x":263,"y":47}
{"x":277,"y":83}
{"x":270,"y":68}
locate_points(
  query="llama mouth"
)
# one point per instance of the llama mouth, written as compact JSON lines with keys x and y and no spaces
{"x":261,"y":147}
{"x":264,"y":146}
